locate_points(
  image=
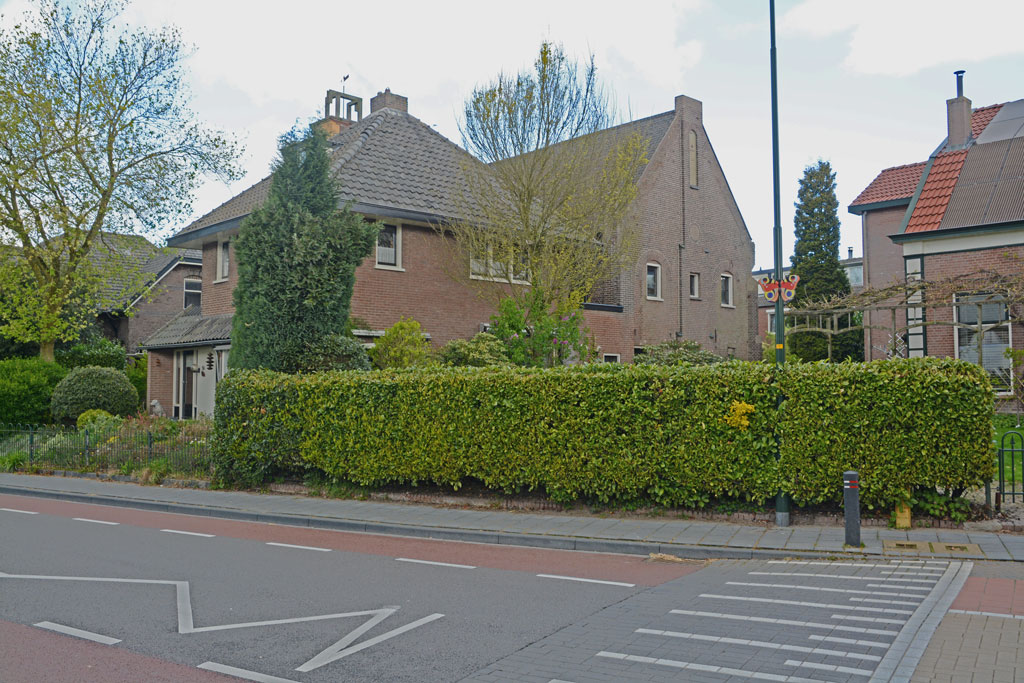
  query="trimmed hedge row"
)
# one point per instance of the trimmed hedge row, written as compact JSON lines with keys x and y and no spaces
{"x":668,"y":435}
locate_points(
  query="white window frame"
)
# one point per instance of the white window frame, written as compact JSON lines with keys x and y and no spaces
{"x":694,"y":285}
{"x":489,"y":270}
{"x":612,"y":358}
{"x":223,"y":264}
{"x":398,"y":251}
{"x":731,"y":290}
{"x":956,"y":337}
{"x":185,"y":291}
{"x":657,"y":282}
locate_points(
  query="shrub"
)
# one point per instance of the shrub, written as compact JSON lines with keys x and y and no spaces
{"x":668,"y":435}
{"x":137,"y":371}
{"x":899,"y":424}
{"x":483,"y":350}
{"x":402,"y":346}
{"x":26,"y":385}
{"x":683,"y":352}
{"x":12,"y":462}
{"x":537,"y":337}
{"x":93,"y":387}
{"x":334,"y":352}
{"x":90,"y":416}
{"x":101,"y":352}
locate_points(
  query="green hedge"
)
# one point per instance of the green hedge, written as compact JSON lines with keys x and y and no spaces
{"x":26,"y":385}
{"x":102,"y":352}
{"x":611,"y":433}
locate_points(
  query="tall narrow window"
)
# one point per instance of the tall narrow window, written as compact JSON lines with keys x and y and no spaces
{"x":988,"y":351}
{"x":654,"y":281}
{"x":223,"y":260}
{"x":693,"y":159}
{"x":389,"y":246}
{"x":727,"y":290}
{"x":694,"y":285}
{"x":193,"y":292}
{"x":917,"y":339}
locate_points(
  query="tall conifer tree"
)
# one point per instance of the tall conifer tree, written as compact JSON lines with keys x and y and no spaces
{"x":297,"y":256}
{"x":816,"y":260}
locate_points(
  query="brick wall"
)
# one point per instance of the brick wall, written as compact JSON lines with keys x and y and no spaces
{"x":167,"y":301}
{"x":883,"y":265}
{"x":160,"y":379}
{"x":707,"y":222}
{"x":939,"y":266}
{"x":217,"y":295}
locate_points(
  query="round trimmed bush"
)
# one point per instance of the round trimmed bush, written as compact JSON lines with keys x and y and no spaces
{"x":90,"y":388}
{"x":26,"y":385}
{"x":482,"y":351}
{"x":103,"y":352}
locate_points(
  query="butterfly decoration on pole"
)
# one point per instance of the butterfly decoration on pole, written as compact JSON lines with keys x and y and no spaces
{"x":773,"y":288}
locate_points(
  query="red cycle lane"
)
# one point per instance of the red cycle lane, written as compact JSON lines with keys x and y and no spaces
{"x":600,"y":566}
{"x":32,"y":655}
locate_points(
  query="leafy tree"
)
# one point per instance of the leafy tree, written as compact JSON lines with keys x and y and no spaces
{"x":536,"y":336}
{"x":816,"y":260}
{"x":550,"y":204}
{"x":402,"y":346}
{"x":97,"y":136}
{"x":297,"y":256}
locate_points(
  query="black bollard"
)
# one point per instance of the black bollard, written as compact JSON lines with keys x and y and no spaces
{"x":851,"y":506}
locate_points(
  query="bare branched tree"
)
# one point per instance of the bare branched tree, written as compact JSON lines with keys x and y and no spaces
{"x":549,"y":202}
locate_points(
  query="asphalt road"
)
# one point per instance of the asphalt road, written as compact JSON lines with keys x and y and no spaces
{"x":99,"y":593}
{"x":94,"y":593}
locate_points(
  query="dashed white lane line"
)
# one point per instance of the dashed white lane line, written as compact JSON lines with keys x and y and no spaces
{"x":850,"y":577}
{"x":888,"y":602}
{"x":78,"y":633}
{"x":849,"y":641}
{"x":787,"y":622}
{"x":22,"y":512}
{"x":577,"y":578}
{"x":829,"y":667}
{"x":95,"y":521}
{"x":908,"y":572}
{"x":902,"y":588}
{"x":300,"y":547}
{"x":724,"y":670}
{"x":242,"y":673}
{"x":876,"y":620}
{"x":825,"y":590}
{"x":187,"y":533}
{"x":761,"y":644}
{"x":436,"y":564}
{"x":801,"y":603}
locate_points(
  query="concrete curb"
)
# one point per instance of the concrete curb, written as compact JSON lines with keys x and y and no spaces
{"x":595,"y":545}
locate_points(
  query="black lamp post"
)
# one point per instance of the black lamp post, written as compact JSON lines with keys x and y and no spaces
{"x":781,"y":500}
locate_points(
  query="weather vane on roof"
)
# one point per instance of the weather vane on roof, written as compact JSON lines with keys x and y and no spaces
{"x":345,"y":78}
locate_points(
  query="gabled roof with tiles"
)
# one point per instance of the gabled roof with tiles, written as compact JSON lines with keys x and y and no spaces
{"x":892,"y":184}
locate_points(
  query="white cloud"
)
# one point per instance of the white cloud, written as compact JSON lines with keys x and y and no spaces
{"x":905,"y":37}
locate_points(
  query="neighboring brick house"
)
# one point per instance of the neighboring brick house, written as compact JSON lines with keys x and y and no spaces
{"x":689,"y":280}
{"x":958,"y":212}
{"x":854,"y":267}
{"x":171,"y":280}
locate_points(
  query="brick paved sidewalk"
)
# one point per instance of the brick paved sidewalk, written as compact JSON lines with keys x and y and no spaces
{"x":678,"y":537}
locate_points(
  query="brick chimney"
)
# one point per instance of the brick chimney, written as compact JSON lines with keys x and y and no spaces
{"x":339,"y":108}
{"x":389,"y":100}
{"x":958,"y":115}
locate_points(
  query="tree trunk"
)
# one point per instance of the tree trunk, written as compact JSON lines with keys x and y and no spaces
{"x":46,"y":351}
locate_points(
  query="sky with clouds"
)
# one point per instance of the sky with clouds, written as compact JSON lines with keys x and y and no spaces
{"x":862,"y":84}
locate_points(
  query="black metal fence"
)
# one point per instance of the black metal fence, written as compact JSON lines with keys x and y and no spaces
{"x":177,"y":448}
{"x":1011,"y":467}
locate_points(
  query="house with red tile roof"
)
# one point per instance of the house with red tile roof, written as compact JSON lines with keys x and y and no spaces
{"x":959,"y":212}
